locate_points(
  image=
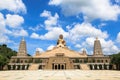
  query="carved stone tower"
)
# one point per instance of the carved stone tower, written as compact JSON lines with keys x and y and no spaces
{"x":97,"y":48}
{"x":22,"y":48}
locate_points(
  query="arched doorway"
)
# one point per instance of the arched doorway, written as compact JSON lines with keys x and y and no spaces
{"x":95,"y":66}
{"x":55,"y":66}
{"x":62,"y":67}
{"x":58,"y":66}
{"x":91,"y":67}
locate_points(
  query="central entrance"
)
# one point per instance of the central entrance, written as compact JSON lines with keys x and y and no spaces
{"x":58,"y":66}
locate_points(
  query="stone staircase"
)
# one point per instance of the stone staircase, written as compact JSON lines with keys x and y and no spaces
{"x":84,"y":67}
{"x":34,"y":67}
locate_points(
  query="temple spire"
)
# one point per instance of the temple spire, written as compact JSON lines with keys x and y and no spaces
{"x":22,"y":48}
{"x":97,"y":48}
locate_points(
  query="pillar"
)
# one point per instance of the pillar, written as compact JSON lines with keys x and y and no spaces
{"x":98,"y":67}
{"x":16,"y":67}
{"x":93,"y":67}
{"x":102,"y":67}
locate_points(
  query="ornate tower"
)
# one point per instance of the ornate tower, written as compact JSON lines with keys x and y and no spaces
{"x":22,"y":48}
{"x":97,"y":48}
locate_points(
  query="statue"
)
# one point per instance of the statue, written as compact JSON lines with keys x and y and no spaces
{"x":61,"y":42}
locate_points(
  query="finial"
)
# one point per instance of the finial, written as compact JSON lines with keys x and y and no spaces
{"x":84,"y":50}
{"x":96,"y":38}
{"x":60,"y":36}
{"x":23,"y":39}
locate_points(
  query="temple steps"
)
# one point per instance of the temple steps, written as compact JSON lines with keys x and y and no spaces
{"x":34,"y":67}
{"x":84,"y":67}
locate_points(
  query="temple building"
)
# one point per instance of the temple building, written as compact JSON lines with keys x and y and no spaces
{"x":60,"y":58}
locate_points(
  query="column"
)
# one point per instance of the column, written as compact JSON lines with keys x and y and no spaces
{"x":98,"y":67}
{"x":16,"y":67}
{"x":57,"y":66}
{"x":24,"y":67}
{"x":107,"y":67}
{"x":11,"y":67}
{"x":93,"y":67}
{"x":20,"y":67}
{"x":102,"y":67}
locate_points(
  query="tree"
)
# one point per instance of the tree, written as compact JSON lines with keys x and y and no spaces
{"x":115,"y":60}
{"x":5,"y":55}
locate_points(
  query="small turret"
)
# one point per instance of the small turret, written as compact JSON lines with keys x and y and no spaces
{"x":84,"y":52}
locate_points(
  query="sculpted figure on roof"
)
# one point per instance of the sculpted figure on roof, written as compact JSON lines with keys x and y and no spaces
{"x":61,"y":42}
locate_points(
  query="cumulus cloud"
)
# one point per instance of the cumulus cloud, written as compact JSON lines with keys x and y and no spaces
{"x":53,"y":34}
{"x":3,"y":31}
{"x":51,"y":20}
{"x":78,"y":46}
{"x":15,"y":6}
{"x":36,"y":28}
{"x":14,"y":20}
{"x":2,"y":23}
{"x":4,"y":39}
{"x":118,"y":37}
{"x":19,"y":32}
{"x":50,"y":35}
{"x":94,"y":9}
{"x":50,"y":47}
{"x":39,"y":49}
{"x":86,"y":30}
{"x":52,"y":27}
{"x":35,"y":36}
{"x":55,"y":2}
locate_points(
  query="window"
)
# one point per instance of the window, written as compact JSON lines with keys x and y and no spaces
{"x":106,"y":60}
{"x":21,"y":61}
{"x":98,"y":61}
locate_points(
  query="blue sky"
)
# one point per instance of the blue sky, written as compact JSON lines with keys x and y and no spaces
{"x":40,"y":22}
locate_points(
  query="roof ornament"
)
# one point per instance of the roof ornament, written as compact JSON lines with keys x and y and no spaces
{"x":61,"y":42}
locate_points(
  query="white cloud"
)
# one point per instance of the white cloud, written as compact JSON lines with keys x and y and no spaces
{"x":118,"y":37}
{"x":109,"y":47}
{"x":55,"y":2}
{"x":50,"y":47}
{"x":51,"y":20}
{"x":3,"y":30}
{"x":52,"y":27}
{"x":19,"y":32}
{"x":101,"y":25}
{"x":53,"y":34}
{"x":94,"y":9}
{"x":4,"y":38}
{"x":35,"y":36}
{"x":15,"y":6}
{"x":50,"y":35}
{"x":14,"y":20}
{"x":2,"y":23}
{"x":86,"y":30}
{"x":78,"y":46}
{"x":36,"y":28}
{"x":39,"y":49}
{"x":45,"y":14}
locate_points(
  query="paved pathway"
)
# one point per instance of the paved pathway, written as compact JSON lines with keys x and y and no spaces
{"x":60,"y":75}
